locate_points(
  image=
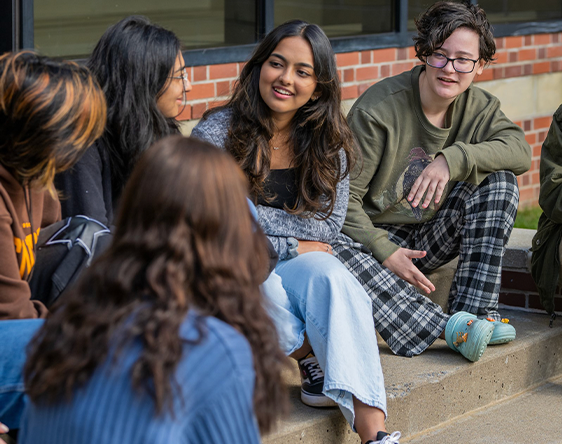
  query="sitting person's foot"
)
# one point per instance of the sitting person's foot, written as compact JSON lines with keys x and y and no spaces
{"x":386,"y":438}
{"x":503,"y":333}
{"x":312,"y":383}
{"x":468,"y":335}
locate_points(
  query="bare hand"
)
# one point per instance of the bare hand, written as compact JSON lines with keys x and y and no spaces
{"x":3,"y":428}
{"x":433,"y":179}
{"x":400,"y":263}
{"x":308,"y":246}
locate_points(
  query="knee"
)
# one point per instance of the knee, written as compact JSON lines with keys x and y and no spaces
{"x":502,"y":185}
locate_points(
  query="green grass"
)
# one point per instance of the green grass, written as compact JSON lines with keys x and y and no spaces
{"x":528,"y":217}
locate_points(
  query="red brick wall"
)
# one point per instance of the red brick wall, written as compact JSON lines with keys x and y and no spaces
{"x":516,"y":57}
{"x":518,"y":290}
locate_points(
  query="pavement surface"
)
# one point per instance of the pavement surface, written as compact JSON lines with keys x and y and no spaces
{"x":532,"y":417}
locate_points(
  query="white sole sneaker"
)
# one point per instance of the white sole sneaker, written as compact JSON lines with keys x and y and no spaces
{"x":317,"y":400}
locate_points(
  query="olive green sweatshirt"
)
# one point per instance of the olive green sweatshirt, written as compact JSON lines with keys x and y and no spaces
{"x":397,"y":142}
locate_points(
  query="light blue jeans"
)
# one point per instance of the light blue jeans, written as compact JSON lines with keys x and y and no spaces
{"x":315,"y":292}
{"x":14,"y":337}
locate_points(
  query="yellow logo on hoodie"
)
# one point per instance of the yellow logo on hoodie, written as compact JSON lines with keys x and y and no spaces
{"x":26,"y":251}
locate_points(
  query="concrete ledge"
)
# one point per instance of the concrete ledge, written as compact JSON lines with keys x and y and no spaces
{"x":518,"y":253}
{"x":439,"y":385}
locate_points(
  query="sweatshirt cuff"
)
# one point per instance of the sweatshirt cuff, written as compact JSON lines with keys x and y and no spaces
{"x":382,"y":249}
{"x":457,"y":162}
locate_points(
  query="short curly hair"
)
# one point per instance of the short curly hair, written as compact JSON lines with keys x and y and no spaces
{"x":443,"y":18}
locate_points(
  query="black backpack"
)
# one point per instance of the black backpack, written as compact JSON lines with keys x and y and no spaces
{"x":64,"y":250}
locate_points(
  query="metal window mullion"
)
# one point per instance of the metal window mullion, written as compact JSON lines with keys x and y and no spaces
{"x":402,"y":22}
{"x":27,"y":25}
{"x":265,"y":17}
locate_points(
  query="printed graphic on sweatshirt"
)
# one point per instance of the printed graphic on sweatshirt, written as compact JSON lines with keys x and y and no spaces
{"x":396,"y":199}
{"x":24,"y":250}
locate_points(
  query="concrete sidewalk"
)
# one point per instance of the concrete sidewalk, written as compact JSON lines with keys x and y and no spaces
{"x":532,"y":417}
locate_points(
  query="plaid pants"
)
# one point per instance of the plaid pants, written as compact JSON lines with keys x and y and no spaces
{"x":474,"y":223}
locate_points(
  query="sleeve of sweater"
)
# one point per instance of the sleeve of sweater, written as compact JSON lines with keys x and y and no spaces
{"x":497,"y":144}
{"x":227,"y":418}
{"x":214,"y":128}
{"x":82,"y":188}
{"x":371,"y":138}
{"x":550,"y":197}
{"x":279,"y":225}
{"x":225,"y":413}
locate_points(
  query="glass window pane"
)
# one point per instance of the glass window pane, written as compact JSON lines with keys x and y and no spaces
{"x":500,"y":11}
{"x":512,"y":11}
{"x":416,"y":8}
{"x":339,"y":18}
{"x":71,"y":28}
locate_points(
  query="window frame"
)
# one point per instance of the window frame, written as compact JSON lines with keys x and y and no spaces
{"x":16,"y":32}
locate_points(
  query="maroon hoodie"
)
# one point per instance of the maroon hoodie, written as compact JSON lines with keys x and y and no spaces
{"x":18,"y":220}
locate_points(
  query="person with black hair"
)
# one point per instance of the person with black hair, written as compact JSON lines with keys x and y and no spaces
{"x":285,"y":128}
{"x":142,"y":72}
{"x":437,"y":181}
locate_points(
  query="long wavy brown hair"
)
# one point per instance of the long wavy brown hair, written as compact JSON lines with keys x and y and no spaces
{"x":319,"y":129}
{"x":49,"y":112}
{"x":185,"y":240}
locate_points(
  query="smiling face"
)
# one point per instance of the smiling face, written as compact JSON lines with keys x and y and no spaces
{"x":287,"y":78}
{"x":171,"y":100}
{"x":443,"y":85}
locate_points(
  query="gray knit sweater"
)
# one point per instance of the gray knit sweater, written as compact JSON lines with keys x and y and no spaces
{"x":277,"y":224}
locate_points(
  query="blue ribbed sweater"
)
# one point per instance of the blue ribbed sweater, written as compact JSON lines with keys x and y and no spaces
{"x":216,"y":380}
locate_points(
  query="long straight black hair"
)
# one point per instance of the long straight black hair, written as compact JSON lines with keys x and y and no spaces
{"x":319,"y":130}
{"x":132,"y":62}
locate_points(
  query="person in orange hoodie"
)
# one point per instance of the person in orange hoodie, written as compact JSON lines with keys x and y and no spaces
{"x":49,"y":112}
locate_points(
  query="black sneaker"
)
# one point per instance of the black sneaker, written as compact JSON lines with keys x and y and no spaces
{"x":386,"y":438}
{"x":312,"y":383}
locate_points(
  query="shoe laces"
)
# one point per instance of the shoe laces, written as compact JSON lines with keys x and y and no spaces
{"x":391,"y":439}
{"x":312,"y":367}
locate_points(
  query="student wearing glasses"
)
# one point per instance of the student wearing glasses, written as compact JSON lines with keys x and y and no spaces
{"x":141,"y":69}
{"x":437,"y":181}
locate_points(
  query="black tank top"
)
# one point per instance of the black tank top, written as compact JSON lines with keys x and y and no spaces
{"x":280,"y":187}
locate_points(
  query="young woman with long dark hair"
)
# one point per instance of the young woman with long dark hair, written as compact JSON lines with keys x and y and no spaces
{"x":49,"y":113}
{"x":292,"y":142}
{"x":142,"y":73}
{"x":156,"y":343}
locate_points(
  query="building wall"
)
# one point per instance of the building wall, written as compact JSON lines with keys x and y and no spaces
{"x":526,"y":77}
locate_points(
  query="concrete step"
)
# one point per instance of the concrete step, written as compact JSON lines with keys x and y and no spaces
{"x":534,"y":416}
{"x":439,"y":385}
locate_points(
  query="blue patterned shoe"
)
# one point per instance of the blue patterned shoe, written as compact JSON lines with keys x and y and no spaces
{"x":468,"y":335}
{"x":504,"y":332}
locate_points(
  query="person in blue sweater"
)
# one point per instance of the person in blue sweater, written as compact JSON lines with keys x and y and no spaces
{"x":156,"y":344}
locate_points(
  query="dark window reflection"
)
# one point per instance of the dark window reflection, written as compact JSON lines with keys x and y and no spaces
{"x":512,"y":11}
{"x":339,"y":18}
{"x":71,"y":28}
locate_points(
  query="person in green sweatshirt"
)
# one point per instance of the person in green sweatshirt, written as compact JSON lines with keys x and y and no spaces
{"x":437,"y":181}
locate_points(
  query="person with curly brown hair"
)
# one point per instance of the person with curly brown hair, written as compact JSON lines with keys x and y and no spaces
{"x":437,"y":181}
{"x":165,"y":339}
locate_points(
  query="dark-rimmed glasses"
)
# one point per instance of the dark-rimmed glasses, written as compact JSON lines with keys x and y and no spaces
{"x":460,"y":64}
{"x":183,"y":78}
